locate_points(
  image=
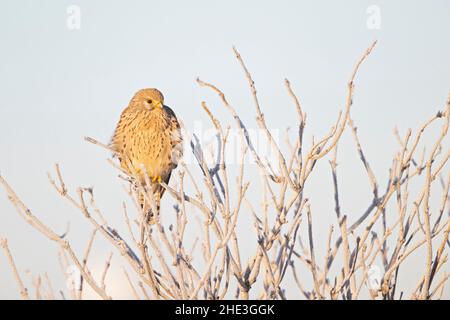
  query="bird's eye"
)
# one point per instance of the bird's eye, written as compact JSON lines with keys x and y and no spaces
{"x":150,"y":101}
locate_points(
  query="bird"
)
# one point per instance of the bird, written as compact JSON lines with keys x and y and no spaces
{"x":148,"y":142}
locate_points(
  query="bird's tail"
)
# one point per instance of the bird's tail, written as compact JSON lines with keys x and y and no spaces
{"x":146,"y":205}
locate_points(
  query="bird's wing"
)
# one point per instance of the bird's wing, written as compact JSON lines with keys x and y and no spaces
{"x":117,"y":141}
{"x":176,"y":139}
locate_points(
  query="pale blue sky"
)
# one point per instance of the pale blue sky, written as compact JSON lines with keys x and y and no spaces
{"x":58,"y":85}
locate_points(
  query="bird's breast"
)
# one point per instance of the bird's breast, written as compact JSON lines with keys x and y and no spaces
{"x":147,"y":145}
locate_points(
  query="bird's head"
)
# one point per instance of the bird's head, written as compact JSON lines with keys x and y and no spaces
{"x":151,"y":99}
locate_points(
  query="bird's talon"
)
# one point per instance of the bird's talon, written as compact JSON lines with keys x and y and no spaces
{"x":156,"y":179}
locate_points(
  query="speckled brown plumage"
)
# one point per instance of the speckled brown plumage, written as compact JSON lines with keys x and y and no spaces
{"x":148,"y":134}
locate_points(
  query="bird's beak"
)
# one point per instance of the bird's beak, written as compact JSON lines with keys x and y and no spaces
{"x":159,"y":105}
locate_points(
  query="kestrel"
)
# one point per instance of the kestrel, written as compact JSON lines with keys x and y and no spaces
{"x":148,"y":137}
